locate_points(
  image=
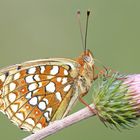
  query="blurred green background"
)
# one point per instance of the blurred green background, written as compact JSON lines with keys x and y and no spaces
{"x":33,"y":29}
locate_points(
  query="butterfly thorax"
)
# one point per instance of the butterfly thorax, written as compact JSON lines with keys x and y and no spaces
{"x":86,"y":71}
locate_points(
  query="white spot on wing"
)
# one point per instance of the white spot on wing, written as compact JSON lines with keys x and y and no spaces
{"x":2,"y":77}
{"x":36,"y":77}
{"x":32,"y":70}
{"x":32,"y":87}
{"x":64,"y":80}
{"x":59,"y":79}
{"x":46,"y":114}
{"x":29,"y":95}
{"x":29,"y":79}
{"x":54,"y":70}
{"x":42,"y":69}
{"x":42,"y":105}
{"x":50,"y":87}
{"x":16,"y":76}
{"x":66,"y":88}
{"x":58,"y":96}
{"x":30,"y":121}
{"x":39,"y":125}
{"x":65,"y":72}
{"x":14,"y":107}
{"x":12,"y":86}
{"x":40,"y":84}
{"x":12,"y":97}
{"x":49,"y":110}
{"x":20,"y":116}
{"x":33,"y":101}
{"x":46,"y":100}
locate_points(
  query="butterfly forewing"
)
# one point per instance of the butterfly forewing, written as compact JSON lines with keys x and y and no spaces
{"x":38,"y":92}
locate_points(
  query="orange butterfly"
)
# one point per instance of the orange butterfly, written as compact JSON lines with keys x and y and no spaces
{"x":35,"y":93}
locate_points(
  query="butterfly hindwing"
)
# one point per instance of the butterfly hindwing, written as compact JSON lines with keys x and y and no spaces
{"x":38,"y":92}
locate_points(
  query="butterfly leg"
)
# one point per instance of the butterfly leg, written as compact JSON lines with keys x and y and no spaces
{"x":103,"y":72}
{"x":82,"y":101}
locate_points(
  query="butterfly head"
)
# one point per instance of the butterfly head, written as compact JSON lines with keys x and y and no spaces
{"x":88,"y":57}
{"x":87,"y":60}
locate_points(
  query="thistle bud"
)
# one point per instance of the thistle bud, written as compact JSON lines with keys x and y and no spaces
{"x":117,"y":99}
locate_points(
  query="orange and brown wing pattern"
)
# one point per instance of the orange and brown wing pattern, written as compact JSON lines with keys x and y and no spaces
{"x":33,"y":95}
{"x":2,"y":80}
{"x":4,"y":73}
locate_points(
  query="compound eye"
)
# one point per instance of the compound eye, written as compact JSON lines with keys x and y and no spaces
{"x":87,"y":58}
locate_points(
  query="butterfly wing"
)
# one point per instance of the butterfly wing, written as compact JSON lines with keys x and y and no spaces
{"x":36,"y":93}
{"x":3,"y":76}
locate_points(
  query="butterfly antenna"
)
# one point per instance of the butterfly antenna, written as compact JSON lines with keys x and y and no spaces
{"x":88,"y":13}
{"x":81,"y":32}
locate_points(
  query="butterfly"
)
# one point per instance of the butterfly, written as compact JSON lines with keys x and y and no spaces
{"x":35,"y":93}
